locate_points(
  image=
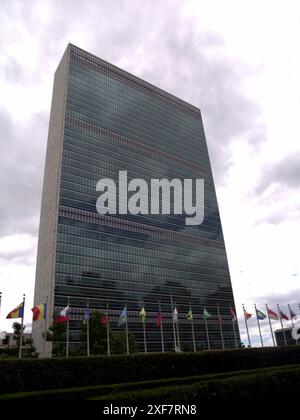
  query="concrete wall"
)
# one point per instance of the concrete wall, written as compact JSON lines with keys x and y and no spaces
{"x":45,"y":269}
{"x":8,"y":340}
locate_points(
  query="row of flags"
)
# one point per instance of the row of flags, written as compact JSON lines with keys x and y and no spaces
{"x":64,"y":317}
{"x":40,"y":313}
{"x":271,"y":316}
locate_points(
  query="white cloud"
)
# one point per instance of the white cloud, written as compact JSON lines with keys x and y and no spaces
{"x":17,"y":270}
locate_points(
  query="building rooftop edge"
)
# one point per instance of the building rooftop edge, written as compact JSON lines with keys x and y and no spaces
{"x":137,"y":79}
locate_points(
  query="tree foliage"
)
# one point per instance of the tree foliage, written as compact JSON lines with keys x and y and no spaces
{"x":98,"y":337}
{"x":29,"y":350}
{"x":57,"y":335}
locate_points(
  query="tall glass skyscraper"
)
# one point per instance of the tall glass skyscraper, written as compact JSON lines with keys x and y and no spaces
{"x":104,"y":120}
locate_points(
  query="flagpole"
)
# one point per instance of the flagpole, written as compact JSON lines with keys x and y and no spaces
{"x":234,"y":320}
{"x":221,"y":329}
{"x":45,"y":342}
{"x":234,"y":333}
{"x":261,"y":340}
{"x":284,"y":337}
{"x":145,"y":343}
{"x":207,"y":335}
{"x":21,"y":332}
{"x":161,"y":331}
{"x":67,"y":338}
{"x":293,"y":324}
{"x":107,"y":331}
{"x":291,"y":315}
{"x":271,"y":329}
{"x":126,"y":328}
{"x":144,"y":331}
{"x":88,"y":328}
{"x":193,"y":333}
{"x":246,"y":323}
{"x":0,"y":301}
{"x":177,"y":329}
{"x":174,"y":332}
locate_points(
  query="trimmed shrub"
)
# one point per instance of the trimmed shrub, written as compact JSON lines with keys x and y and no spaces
{"x":260,"y":386}
{"x":46,"y":374}
{"x":106,"y":391}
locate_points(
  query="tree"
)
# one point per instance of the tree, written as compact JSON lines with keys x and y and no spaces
{"x":57,"y":335}
{"x":189,"y":347}
{"x":29,"y":350}
{"x":17,"y":333}
{"x":98,"y":334}
{"x":118,"y":343}
{"x":98,"y":337}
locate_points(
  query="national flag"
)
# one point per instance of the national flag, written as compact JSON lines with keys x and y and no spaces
{"x":63,"y":316}
{"x":190,"y":315}
{"x":260,"y":315}
{"x":272,"y":315}
{"x":233,"y":314}
{"x":283,"y":316}
{"x":123,"y":317}
{"x":293,"y":315}
{"x":143,"y":314}
{"x":104,"y":320}
{"x":159,"y":319}
{"x":18,"y":312}
{"x":39,"y":312}
{"x":247,"y":315}
{"x":175,"y":315}
{"x":206,"y":314}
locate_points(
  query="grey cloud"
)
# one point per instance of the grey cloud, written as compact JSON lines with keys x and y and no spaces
{"x":13,"y":71}
{"x":272,"y":219}
{"x":48,"y":38}
{"x":154,"y":42}
{"x":190,"y":64}
{"x":284,"y":176}
{"x":283,"y":212}
{"x":285,"y":173}
{"x":19,"y":256}
{"x":163,"y":47}
{"x":22,"y":159}
{"x":291,"y":297}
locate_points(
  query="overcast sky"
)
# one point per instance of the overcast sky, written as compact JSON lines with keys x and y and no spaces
{"x":238,"y":61}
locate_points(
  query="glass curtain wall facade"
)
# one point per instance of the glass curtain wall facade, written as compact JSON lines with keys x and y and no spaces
{"x":113,"y":121}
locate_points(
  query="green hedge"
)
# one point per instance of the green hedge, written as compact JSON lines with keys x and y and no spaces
{"x":42,"y":374}
{"x":260,"y":386}
{"x":106,"y":391}
{"x":96,"y":391}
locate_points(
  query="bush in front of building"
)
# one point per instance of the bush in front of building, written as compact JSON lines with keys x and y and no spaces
{"x":259,"y":386}
{"x":43,"y":374}
{"x":243,"y":385}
